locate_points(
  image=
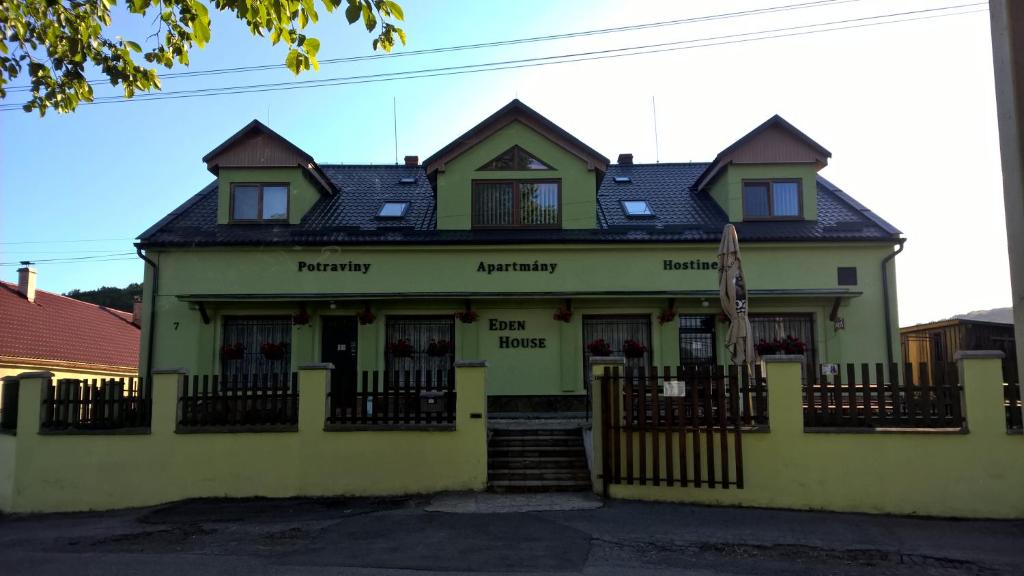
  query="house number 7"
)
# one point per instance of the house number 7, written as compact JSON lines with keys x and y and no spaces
{"x":176,"y":325}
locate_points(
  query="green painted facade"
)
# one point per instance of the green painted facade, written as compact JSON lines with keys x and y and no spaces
{"x":594,"y":279}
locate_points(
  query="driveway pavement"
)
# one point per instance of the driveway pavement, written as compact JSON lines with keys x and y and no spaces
{"x":495,"y":534}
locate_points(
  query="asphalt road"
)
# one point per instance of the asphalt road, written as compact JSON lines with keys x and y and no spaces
{"x":400,"y":536}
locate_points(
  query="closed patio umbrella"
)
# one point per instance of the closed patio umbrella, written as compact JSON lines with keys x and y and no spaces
{"x":732,"y":290}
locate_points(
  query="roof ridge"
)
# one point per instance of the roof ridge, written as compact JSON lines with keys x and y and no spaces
{"x":76,"y":300}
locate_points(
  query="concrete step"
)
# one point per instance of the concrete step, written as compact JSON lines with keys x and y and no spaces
{"x":538,"y":442}
{"x":546,"y":475}
{"x":538,"y":463}
{"x":540,"y":486}
{"x":536,"y":452}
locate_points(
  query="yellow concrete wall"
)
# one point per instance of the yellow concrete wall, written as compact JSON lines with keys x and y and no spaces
{"x":89,"y":472}
{"x":58,"y":373}
{"x":7,"y":447}
{"x":976,"y":475}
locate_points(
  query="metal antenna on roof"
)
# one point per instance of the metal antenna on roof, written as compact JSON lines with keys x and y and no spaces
{"x":654,"y":111}
{"x":394,"y":114}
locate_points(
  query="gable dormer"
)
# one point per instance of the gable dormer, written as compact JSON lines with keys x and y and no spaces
{"x":516,"y":170}
{"x":768,"y":174}
{"x":262,"y":178}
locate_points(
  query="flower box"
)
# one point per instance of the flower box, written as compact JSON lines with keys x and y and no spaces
{"x":273,"y":350}
{"x":599,"y":347}
{"x":788,"y":345}
{"x":234,"y":351}
{"x":401,"y":348}
{"x":633,"y":349}
{"x":439,"y":348}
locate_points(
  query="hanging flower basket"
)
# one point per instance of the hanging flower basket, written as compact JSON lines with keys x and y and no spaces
{"x":234,"y":351}
{"x":667,"y":315}
{"x":300,"y":318}
{"x":599,"y":347}
{"x":273,"y":350}
{"x":439,"y":348}
{"x":788,"y":345}
{"x":467,"y":316}
{"x":401,"y":348}
{"x":366,"y":316}
{"x":563,"y":314}
{"x":633,"y":349}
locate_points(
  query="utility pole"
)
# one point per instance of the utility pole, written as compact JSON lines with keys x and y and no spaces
{"x":1007,"y":18}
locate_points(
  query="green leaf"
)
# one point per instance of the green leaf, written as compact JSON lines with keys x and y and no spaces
{"x":292,"y":61}
{"x":395,"y":9}
{"x":369,"y":19}
{"x":311,"y":46}
{"x":133,"y":45}
{"x":352,"y":12}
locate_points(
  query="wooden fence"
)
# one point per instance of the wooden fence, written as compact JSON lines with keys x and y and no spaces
{"x":921,"y":396}
{"x":687,"y":421}
{"x":409,"y":399}
{"x":250,"y":402}
{"x":99,"y":404}
{"x":1011,"y":398}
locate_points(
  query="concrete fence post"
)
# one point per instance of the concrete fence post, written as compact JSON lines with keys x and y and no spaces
{"x":167,"y":387}
{"x":785,"y":394}
{"x":598,"y":364}
{"x":981,"y":381}
{"x":31,"y":393}
{"x":471,"y":414}
{"x":314,"y":380}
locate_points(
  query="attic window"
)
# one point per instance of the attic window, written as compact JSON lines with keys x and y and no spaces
{"x":637,"y":209}
{"x":259,"y":202}
{"x":623,"y":179}
{"x":515,"y":158}
{"x":393,"y":210}
{"x":408,"y":180}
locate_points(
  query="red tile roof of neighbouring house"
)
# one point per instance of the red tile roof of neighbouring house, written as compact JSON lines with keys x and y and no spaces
{"x":58,"y":329}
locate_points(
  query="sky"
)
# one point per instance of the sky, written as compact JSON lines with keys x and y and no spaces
{"x":907,"y":110}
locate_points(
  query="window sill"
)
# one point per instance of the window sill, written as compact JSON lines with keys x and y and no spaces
{"x":245,"y":429}
{"x":138,"y":431}
{"x":389,"y":427}
{"x":821,"y":430}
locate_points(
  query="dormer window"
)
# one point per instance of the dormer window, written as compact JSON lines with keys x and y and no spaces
{"x":393,"y":210}
{"x":515,"y":158}
{"x":637,"y":209}
{"x":771,"y":200}
{"x":259,"y":202}
{"x":517,"y":204}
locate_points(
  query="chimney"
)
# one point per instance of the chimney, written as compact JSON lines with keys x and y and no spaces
{"x":626,"y":159}
{"x":27,"y":281}
{"x":137,"y":311}
{"x":412,"y":160}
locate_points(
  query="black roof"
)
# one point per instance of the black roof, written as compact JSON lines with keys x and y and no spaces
{"x":682,"y":214}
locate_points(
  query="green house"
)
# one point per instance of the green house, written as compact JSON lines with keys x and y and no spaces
{"x":517,"y":244}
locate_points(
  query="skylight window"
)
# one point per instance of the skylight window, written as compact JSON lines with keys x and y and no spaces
{"x":623,"y":179}
{"x":393,"y":210}
{"x":637,"y":209}
{"x":408,"y":180}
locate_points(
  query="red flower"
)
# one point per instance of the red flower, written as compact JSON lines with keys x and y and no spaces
{"x":633,"y":349}
{"x":401,"y":348}
{"x":599,"y":347}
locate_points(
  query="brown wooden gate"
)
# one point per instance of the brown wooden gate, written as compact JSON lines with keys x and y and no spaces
{"x":693,"y":439}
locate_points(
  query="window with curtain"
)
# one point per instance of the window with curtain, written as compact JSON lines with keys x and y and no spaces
{"x":416,"y":343}
{"x":256,"y":345}
{"x":696,"y":339}
{"x":779,"y":326}
{"x":516,"y":203}
{"x":616,"y":331}
{"x":771,"y":199}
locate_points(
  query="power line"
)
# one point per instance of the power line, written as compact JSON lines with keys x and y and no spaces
{"x":80,"y":261}
{"x":546,"y":60}
{"x":66,"y":241}
{"x":496,"y":43}
{"x":71,"y":258}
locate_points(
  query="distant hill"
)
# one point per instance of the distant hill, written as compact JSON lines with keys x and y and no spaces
{"x":1001,"y":315}
{"x":109,"y":296}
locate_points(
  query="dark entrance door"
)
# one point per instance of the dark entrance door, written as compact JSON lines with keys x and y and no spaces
{"x":340,"y":347}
